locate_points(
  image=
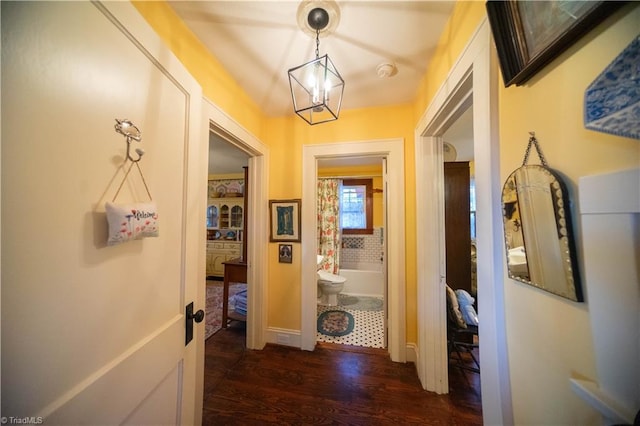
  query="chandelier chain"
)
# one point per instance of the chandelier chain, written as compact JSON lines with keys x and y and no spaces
{"x":317,"y":43}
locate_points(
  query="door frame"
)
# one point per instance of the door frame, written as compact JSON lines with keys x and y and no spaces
{"x":472,"y":79}
{"x":393,"y":151}
{"x":217,"y":121}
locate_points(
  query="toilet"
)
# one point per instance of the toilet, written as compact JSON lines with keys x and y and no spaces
{"x":330,"y":285}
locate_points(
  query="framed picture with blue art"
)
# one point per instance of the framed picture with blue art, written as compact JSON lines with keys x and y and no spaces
{"x":285,"y":220}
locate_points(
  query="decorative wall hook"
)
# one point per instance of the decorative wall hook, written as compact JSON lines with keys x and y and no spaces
{"x":131,"y":132}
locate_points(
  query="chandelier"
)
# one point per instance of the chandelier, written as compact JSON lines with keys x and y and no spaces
{"x":316,"y":86}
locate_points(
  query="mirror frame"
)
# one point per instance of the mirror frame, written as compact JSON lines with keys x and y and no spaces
{"x":516,"y":199}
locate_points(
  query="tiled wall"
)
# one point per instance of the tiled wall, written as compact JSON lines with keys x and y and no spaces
{"x":362,"y":248}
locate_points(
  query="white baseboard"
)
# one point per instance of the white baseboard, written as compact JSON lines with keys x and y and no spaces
{"x":412,"y":352}
{"x":284,"y":337}
{"x":288,"y":337}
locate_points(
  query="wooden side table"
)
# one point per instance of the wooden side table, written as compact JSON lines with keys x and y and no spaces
{"x":235,"y":271}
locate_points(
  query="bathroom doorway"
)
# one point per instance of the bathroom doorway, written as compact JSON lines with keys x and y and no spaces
{"x":351,"y":240}
{"x":394,"y":234}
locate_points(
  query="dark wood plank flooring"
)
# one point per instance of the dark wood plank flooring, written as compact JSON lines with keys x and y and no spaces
{"x":335,"y":384}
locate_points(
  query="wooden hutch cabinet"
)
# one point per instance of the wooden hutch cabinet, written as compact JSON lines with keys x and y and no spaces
{"x":225,"y":224}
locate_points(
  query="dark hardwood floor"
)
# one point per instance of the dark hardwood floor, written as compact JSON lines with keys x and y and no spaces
{"x":334,"y":384}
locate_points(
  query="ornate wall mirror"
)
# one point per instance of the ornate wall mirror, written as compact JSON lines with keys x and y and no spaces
{"x":537,"y":228}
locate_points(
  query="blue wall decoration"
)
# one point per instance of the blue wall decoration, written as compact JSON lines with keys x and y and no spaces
{"x":612,"y":101}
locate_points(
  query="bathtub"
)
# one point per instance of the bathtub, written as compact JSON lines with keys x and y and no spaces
{"x":363,"y":279}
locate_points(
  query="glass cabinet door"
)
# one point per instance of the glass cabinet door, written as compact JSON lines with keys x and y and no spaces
{"x":224,"y":217}
{"x":236,"y":217}
{"x":212,"y":216}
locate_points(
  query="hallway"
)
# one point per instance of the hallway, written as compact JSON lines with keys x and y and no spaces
{"x":335,"y":384}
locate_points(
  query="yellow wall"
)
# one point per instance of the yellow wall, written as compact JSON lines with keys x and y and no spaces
{"x":464,"y":21}
{"x":551,"y":104}
{"x":217,"y":84}
{"x":285,"y":137}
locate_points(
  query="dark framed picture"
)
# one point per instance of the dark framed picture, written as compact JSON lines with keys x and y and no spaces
{"x":530,"y":34}
{"x":285,"y":253}
{"x":284,"y":218}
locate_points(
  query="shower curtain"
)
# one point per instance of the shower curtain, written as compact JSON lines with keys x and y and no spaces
{"x":329,"y":224}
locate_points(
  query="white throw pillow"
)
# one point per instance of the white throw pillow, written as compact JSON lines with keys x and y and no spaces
{"x":465,"y":301}
{"x":454,"y":310}
{"x":131,"y":221}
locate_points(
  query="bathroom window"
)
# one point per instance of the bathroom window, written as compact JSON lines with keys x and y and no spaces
{"x":356,"y":206}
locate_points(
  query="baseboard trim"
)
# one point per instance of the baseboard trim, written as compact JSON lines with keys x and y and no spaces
{"x":292,"y":338}
{"x":412,"y":352}
{"x":283,"y":336}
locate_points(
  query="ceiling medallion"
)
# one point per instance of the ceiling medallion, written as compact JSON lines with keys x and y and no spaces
{"x":329,"y":6}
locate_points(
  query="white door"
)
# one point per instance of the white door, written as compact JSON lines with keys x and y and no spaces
{"x":95,"y":334}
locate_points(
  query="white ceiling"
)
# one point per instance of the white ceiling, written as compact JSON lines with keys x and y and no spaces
{"x":460,"y":135}
{"x":224,"y":157}
{"x":258,"y":41}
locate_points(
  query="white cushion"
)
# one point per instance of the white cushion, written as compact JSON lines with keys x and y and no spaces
{"x":131,"y":221}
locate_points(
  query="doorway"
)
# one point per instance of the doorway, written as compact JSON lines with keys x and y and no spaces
{"x":392,"y":150}
{"x":352,"y":207}
{"x":226,"y":237}
{"x":460,"y":257}
{"x":218,"y":122}
{"x":474,"y":78}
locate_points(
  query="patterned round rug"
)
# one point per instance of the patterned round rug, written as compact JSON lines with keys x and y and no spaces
{"x":335,"y":323}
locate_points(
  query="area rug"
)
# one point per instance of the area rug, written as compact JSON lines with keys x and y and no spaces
{"x":360,"y":303}
{"x":335,"y":323}
{"x":213,"y":316}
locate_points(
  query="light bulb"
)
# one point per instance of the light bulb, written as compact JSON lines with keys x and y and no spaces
{"x":327,"y":90}
{"x":311,"y":80}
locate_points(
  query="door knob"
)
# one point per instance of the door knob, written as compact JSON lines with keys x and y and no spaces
{"x":198,"y":316}
{"x":190,"y":317}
